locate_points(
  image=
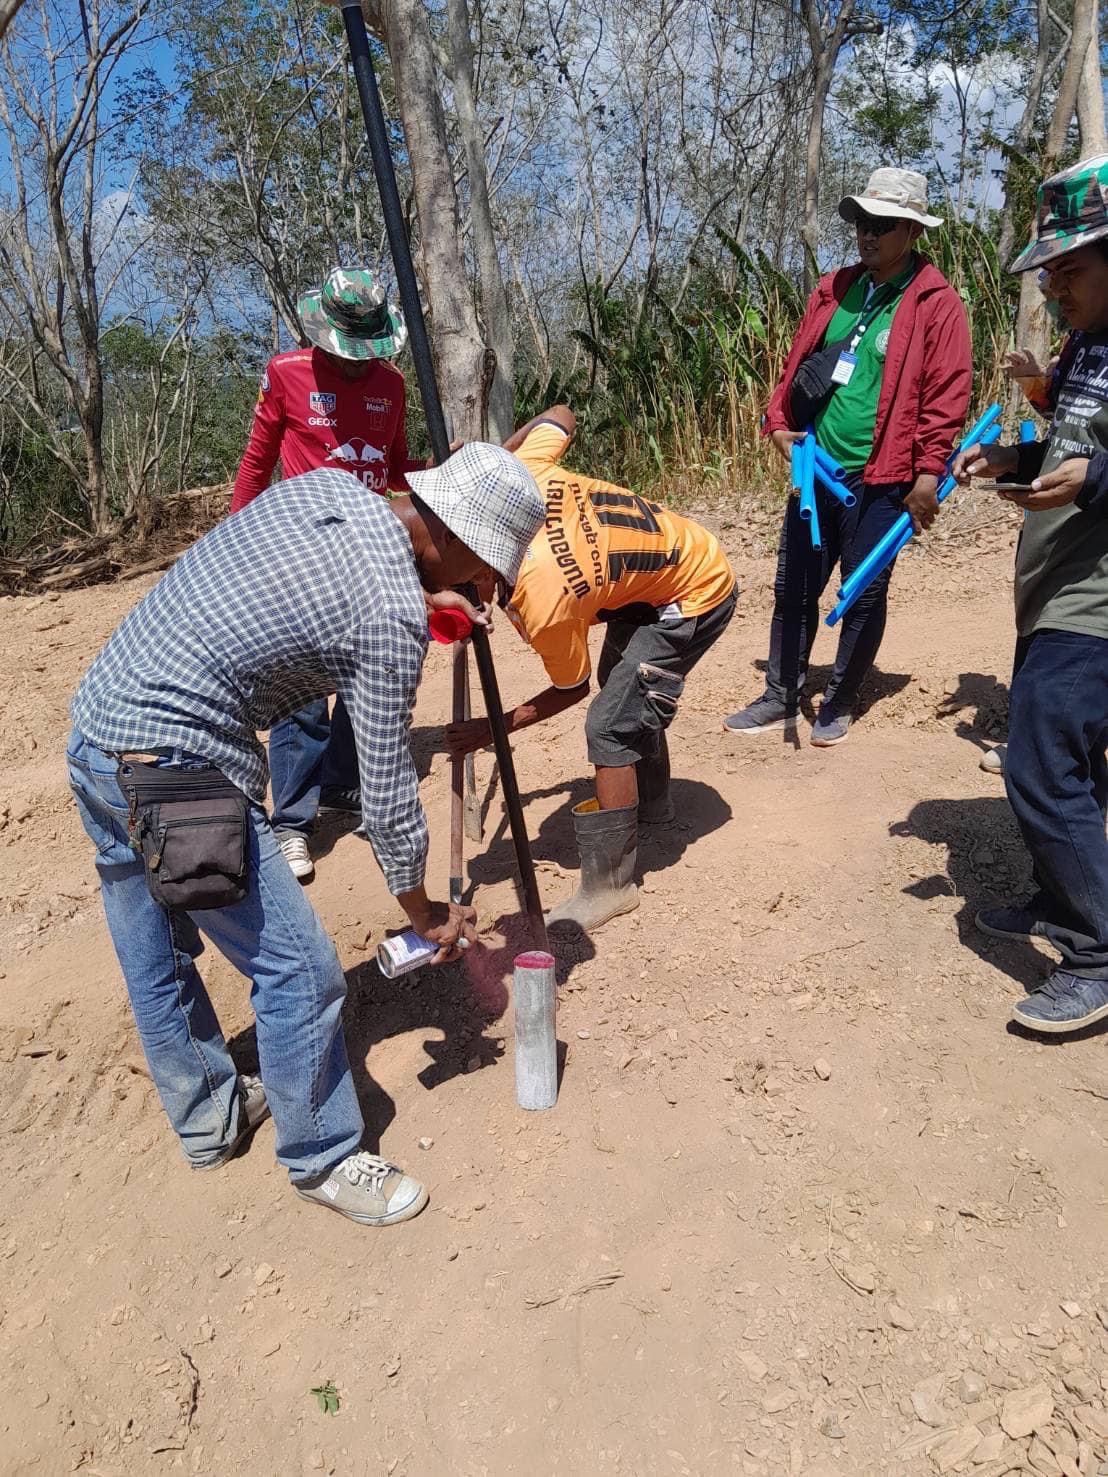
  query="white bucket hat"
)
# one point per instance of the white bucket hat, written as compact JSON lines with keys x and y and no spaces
{"x":489,"y":499}
{"x":896,"y":192}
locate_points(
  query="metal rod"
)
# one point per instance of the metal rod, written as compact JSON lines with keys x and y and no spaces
{"x":377,"y":135}
{"x":460,"y":669}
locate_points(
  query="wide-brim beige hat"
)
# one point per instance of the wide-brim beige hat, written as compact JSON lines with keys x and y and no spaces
{"x":489,"y":500}
{"x":901,"y":193}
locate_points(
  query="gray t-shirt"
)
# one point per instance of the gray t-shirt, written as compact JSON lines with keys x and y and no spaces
{"x":1062,"y":560}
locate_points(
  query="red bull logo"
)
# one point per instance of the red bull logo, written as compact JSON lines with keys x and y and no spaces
{"x":368,"y":463}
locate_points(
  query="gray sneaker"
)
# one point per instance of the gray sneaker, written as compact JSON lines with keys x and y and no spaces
{"x":827,"y":732}
{"x":764,"y":715}
{"x":1011,"y":921}
{"x":1065,"y":1002}
{"x":368,"y":1190}
{"x":253,"y":1110}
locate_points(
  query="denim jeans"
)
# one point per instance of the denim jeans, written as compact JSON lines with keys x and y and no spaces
{"x":276,"y":940}
{"x":1056,"y":775}
{"x":306,"y":751}
{"x":847,"y":535}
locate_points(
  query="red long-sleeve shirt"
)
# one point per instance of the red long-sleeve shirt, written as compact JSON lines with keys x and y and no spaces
{"x":311,"y":416}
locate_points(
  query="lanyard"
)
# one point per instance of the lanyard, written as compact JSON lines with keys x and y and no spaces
{"x":877,"y":300}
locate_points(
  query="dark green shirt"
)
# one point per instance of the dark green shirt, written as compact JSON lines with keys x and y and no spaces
{"x":844,"y":427}
{"x":1062,"y":559}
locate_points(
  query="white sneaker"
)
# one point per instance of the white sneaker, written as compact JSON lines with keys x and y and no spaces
{"x":368,"y":1190}
{"x":992,"y":760}
{"x":294,"y":849}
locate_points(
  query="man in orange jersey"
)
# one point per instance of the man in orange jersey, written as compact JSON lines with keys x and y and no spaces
{"x":664,"y":589}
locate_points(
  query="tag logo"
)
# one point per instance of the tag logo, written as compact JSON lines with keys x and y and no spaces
{"x":321,"y":402}
{"x":881,"y":343}
{"x":265,"y":383}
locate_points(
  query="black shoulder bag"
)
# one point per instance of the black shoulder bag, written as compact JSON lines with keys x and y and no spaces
{"x":190,"y":826}
{"x":812,"y":384}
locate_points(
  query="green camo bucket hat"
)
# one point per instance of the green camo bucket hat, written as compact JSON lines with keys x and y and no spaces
{"x":350,"y":316}
{"x":1073,"y":212}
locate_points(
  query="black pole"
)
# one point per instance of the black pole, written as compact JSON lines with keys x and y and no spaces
{"x":377,"y":134}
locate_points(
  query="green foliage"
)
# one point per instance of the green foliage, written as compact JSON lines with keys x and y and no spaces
{"x":327,"y":1396}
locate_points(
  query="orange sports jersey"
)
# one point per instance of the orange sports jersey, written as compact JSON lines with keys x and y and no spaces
{"x":604,"y":548}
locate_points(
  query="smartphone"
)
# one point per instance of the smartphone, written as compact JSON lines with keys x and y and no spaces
{"x":1011,"y":487}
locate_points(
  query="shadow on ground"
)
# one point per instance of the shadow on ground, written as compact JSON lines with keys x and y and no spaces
{"x":986,"y":863}
{"x":983,"y":700}
{"x":462,"y":1001}
{"x":879,"y":687}
{"x":700,"y":811}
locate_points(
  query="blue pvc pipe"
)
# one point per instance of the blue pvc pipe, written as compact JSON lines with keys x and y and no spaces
{"x":795,"y":459}
{"x":979,"y":431}
{"x":825,"y":463}
{"x":1027,"y":431}
{"x":834,"y":486}
{"x":808,"y":509}
{"x":884,"y":552}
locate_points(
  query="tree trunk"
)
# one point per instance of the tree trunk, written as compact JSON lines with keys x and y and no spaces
{"x":8,"y":10}
{"x":455,"y":338}
{"x":494,"y":299}
{"x":810,"y":229}
{"x":1090,"y":95}
{"x":825,"y":45}
{"x":1032,"y":326}
{"x":1022,"y":136}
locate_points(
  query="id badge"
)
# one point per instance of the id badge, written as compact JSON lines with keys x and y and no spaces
{"x":844,"y":368}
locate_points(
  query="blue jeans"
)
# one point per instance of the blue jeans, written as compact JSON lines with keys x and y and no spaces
{"x":273,"y":937}
{"x":848,"y":534}
{"x":1056,"y":775}
{"x":306,"y":751}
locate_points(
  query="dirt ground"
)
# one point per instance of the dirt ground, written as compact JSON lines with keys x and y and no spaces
{"x":806,"y":1205}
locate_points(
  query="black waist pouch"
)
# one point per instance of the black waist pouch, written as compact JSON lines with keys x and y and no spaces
{"x":191,"y":827}
{"x":812,"y":386}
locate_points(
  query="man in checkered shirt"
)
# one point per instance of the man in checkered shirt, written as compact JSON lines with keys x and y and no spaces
{"x":218,"y":650}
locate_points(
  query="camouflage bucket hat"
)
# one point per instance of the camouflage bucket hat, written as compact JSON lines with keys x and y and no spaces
{"x":1073,"y":212}
{"x":350,"y":316}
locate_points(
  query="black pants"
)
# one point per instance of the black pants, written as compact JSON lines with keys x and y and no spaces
{"x":848,"y":534}
{"x":1056,"y":775}
{"x":641,"y":672}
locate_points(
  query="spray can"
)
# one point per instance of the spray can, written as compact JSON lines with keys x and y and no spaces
{"x":407,"y":951}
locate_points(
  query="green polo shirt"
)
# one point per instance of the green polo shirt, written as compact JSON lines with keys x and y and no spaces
{"x":844,"y":427}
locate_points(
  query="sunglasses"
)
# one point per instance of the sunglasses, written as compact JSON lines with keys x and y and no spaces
{"x":875,"y":225}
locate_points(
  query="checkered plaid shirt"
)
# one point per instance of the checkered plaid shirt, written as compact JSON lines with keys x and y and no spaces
{"x":310,"y":590}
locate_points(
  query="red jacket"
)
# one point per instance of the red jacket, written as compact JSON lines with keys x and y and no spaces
{"x":928,"y":377}
{"x":311,"y":416}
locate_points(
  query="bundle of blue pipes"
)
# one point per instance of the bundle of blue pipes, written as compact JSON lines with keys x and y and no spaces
{"x":808,"y":511}
{"x":808,"y":460}
{"x":985,"y":430}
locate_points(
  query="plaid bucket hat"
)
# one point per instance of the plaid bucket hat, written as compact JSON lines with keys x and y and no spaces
{"x":350,"y":316}
{"x":1073,"y":212}
{"x":489,"y":499}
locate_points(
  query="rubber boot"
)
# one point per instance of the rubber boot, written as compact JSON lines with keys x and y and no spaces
{"x":607,"y":841}
{"x":655,"y":805}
